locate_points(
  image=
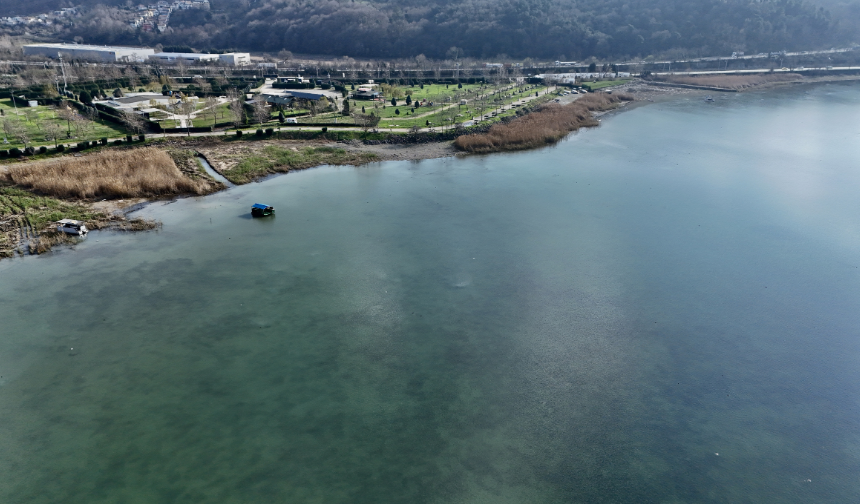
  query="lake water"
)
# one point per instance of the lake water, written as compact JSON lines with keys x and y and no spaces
{"x":660,"y":310}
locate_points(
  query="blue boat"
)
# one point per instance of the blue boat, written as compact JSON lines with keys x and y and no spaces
{"x":261,"y":210}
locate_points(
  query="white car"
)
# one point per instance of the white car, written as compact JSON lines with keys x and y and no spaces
{"x":292,"y":120}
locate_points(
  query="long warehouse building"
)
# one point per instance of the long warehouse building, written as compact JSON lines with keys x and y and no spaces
{"x":89,"y":52}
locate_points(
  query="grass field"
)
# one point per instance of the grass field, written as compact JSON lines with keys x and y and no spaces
{"x":35,"y":119}
{"x":272,"y":159}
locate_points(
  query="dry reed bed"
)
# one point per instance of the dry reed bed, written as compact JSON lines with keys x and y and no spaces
{"x":146,"y":172}
{"x":546,"y":125}
{"x":733,"y":81}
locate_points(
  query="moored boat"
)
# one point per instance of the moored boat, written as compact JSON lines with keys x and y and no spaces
{"x":261,"y":210}
{"x":70,"y":226}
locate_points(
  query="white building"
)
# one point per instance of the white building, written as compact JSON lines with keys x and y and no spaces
{"x":234,"y":59}
{"x":89,"y":52}
{"x":186,"y":58}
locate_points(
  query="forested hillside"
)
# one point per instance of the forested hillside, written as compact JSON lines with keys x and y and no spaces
{"x":568,"y":29}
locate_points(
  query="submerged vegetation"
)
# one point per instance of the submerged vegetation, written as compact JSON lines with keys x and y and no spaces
{"x":146,"y":172}
{"x":547,"y":125}
{"x":275,"y":159}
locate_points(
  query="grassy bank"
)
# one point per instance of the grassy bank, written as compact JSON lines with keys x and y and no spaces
{"x":145,"y":172}
{"x":27,"y":221}
{"x":547,"y":125}
{"x":274,"y":159}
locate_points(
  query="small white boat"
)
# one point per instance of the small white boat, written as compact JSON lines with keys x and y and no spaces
{"x":72,"y":227}
{"x":709,"y":98}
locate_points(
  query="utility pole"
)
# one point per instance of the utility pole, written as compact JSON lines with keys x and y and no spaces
{"x":63,"y":68}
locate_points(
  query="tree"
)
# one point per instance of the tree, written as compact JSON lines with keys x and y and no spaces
{"x":211,"y":107}
{"x":186,"y":107}
{"x":408,"y":100}
{"x":393,"y":101}
{"x":285,"y":55}
{"x":281,"y":117}
{"x":13,"y":129}
{"x":134,"y":122}
{"x":345,"y":108}
{"x":86,"y":97}
{"x":237,"y":108}
{"x":53,"y":132}
{"x":366,"y":121}
{"x":261,"y":109}
{"x":592,"y":67}
{"x":66,"y":114}
{"x":117,"y":93}
{"x":397,"y":111}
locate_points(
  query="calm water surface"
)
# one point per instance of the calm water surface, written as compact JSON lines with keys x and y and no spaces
{"x":662,"y":310}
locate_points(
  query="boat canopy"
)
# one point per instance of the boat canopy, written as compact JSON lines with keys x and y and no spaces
{"x":260,"y":206}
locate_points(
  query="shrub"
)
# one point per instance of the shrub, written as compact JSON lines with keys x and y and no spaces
{"x":324,"y":129}
{"x":15,"y":152}
{"x":4,"y":153}
{"x":128,"y":138}
{"x":104,"y":140}
{"x":29,"y":151}
{"x":259,"y":132}
{"x":94,"y":143}
{"x":238,"y":133}
{"x":142,"y":137}
{"x":43,"y":150}
{"x":117,"y":142}
{"x":61,"y":148}
{"x":270,"y":131}
{"x":83,"y":145}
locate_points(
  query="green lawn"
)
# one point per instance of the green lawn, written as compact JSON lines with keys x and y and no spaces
{"x":34,"y":120}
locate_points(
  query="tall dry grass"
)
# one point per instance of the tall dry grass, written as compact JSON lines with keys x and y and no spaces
{"x":732,"y":81}
{"x":143,"y":172}
{"x":546,"y":125}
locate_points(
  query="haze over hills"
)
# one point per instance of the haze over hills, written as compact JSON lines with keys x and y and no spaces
{"x":556,"y":29}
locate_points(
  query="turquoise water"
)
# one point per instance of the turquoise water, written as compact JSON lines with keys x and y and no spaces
{"x":664,"y":309}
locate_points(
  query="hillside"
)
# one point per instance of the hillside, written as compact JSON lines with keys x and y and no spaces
{"x":564,"y":29}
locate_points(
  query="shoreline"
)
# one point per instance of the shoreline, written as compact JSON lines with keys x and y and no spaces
{"x":120,"y":210}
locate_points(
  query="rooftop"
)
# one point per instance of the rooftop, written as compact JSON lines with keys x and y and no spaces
{"x":89,"y":47}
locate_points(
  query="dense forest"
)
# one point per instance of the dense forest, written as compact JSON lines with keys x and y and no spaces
{"x":556,"y":29}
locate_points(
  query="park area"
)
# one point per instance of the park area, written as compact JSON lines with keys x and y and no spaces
{"x":436,"y":105}
{"x":49,"y":125}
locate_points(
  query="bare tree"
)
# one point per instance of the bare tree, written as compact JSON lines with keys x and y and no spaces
{"x":66,"y":114}
{"x":211,"y":107}
{"x":261,"y":109}
{"x":237,"y":108}
{"x":133,"y":121}
{"x":13,"y":129}
{"x":365,"y":121}
{"x":53,"y":131}
{"x":186,"y":107}
{"x":81,"y":126}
